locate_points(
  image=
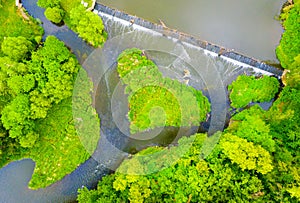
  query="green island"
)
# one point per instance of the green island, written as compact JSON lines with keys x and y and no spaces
{"x":255,"y":160}
{"x":36,"y":105}
{"x":155,"y":101}
{"x":43,"y":90}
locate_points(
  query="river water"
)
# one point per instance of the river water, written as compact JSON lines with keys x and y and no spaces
{"x":246,"y":26}
{"x":209,"y":73}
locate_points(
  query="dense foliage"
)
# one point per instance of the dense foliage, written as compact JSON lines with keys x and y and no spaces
{"x":12,"y":24}
{"x":59,"y":150}
{"x":16,"y":48}
{"x":34,"y":86}
{"x":36,"y":109}
{"x":189,"y":179}
{"x":288,"y":51}
{"x":241,"y":168}
{"x":54,"y":14}
{"x":155,"y":101}
{"x":289,"y":45}
{"x":88,"y":25}
{"x":246,"y":89}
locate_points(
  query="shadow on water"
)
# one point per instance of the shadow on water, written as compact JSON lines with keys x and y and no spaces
{"x":208,"y":73}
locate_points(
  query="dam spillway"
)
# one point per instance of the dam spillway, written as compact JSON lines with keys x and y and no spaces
{"x":131,"y":22}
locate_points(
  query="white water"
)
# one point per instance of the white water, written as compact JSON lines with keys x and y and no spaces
{"x":133,"y":26}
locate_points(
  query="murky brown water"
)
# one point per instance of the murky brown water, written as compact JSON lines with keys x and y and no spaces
{"x":246,"y":26}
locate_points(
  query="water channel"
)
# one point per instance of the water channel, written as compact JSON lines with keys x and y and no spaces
{"x":209,"y":73}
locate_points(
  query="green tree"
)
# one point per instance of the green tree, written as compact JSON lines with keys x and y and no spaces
{"x":54,"y":70}
{"x":48,"y":3}
{"x":88,"y":25}
{"x":16,"y":118}
{"x":16,"y":48}
{"x":54,"y":14}
{"x":189,"y":179}
{"x":250,"y":125}
{"x":289,"y":47}
{"x":246,"y":154}
{"x":21,"y":84}
{"x":246,"y":89}
{"x":292,"y":76}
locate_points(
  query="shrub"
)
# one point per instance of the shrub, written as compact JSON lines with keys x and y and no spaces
{"x":54,"y":14}
{"x":246,"y":89}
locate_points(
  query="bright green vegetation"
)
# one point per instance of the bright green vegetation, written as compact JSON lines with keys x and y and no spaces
{"x":36,"y":106}
{"x":54,"y":14}
{"x":155,"y":101}
{"x":58,"y":151}
{"x":241,"y":168}
{"x":12,"y":24}
{"x":289,"y":44}
{"x":250,"y":125}
{"x":246,"y":89}
{"x":288,"y":51}
{"x":37,"y":118}
{"x":88,"y":25}
{"x":223,"y":177}
{"x":34,"y":86}
{"x":44,"y":115}
{"x":85,"y":116}
{"x":16,"y":48}
{"x":257,"y":158}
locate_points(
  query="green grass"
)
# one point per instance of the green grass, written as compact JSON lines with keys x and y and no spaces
{"x":156,"y":101}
